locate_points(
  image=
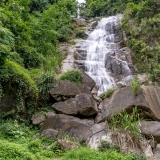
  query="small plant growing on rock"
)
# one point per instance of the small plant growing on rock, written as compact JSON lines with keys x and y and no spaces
{"x":126,"y":121}
{"x":107,"y":93}
{"x":104,"y":146}
{"x":72,"y":75}
{"x":135,"y":86}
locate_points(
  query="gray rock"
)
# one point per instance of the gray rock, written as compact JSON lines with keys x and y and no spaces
{"x":86,"y":105}
{"x":37,"y":119}
{"x":67,"y":88}
{"x":68,"y":107}
{"x":79,"y":131}
{"x":151,"y":128}
{"x":88,"y":81}
{"x":66,"y":144}
{"x":57,"y":121}
{"x":123,"y":99}
{"x":50,"y":133}
{"x":98,"y":127}
{"x":49,"y":114}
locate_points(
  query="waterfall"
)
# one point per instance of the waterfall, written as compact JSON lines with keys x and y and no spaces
{"x":100,"y":44}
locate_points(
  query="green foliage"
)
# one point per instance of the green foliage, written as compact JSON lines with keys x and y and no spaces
{"x":17,"y":142}
{"x":137,"y":157}
{"x":126,"y":121}
{"x":104,"y":146}
{"x":30,"y":31}
{"x":87,"y":154}
{"x":72,"y":75}
{"x":107,"y":93}
{"x":135,"y":86}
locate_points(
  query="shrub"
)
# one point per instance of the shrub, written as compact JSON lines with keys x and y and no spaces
{"x":126,"y":121}
{"x":72,"y":75}
{"x":135,"y":86}
{"x":108,"y":93}
{"x":104,"y":146}
{"x":137,"y":157}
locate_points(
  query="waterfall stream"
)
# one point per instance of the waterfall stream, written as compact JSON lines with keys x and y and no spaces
{"x":99,"y":45}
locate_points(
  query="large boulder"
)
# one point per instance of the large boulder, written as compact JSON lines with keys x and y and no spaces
{"x":68,"y":89}
{"x":79,"y":131}
{"x":151,"y":129}
{"x":86,"y":105}
{"x":68,"y":107}
{"x":88,"y":81}
{"x":57,"y":121}
{"x":147,"y":99}
{"x":83,"y":104}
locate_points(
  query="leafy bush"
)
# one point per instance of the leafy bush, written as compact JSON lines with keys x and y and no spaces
{"x":104,"y":146}
{"x":108,"y":93}
{"x":137,"y":157}
{"x":72,"y":75}
{"x":126,"y":121}
{"x":135,"y":86}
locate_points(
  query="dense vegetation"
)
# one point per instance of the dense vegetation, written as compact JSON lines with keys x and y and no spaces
{"x":30,"y":32}
{"x":18,"y":142}
{"x":141,"y":24}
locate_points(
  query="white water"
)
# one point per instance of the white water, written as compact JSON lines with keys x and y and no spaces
{"x":99,"y":44}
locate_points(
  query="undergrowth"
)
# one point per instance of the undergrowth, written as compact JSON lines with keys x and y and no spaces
{"x":72,"y":75}
{"x":125,"y":121}
{"x":18,"y":142}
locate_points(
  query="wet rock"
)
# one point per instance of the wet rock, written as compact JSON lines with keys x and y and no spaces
{"x":66,"y":144}
{"x":95,"y":90}
{"x":50,"y":133}
{"x":88,"y":81}
{"x":151,"y":128}
{"x":37,"y":119}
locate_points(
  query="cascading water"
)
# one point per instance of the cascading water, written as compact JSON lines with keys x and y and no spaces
{"x":101,"y":43}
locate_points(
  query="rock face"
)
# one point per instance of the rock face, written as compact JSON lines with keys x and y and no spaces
{"x":8,"y":103}
{"x":82,"y":104}
{"x":151,"y":128}
{"x":148,"y":99}
{"x":122,"y":140}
